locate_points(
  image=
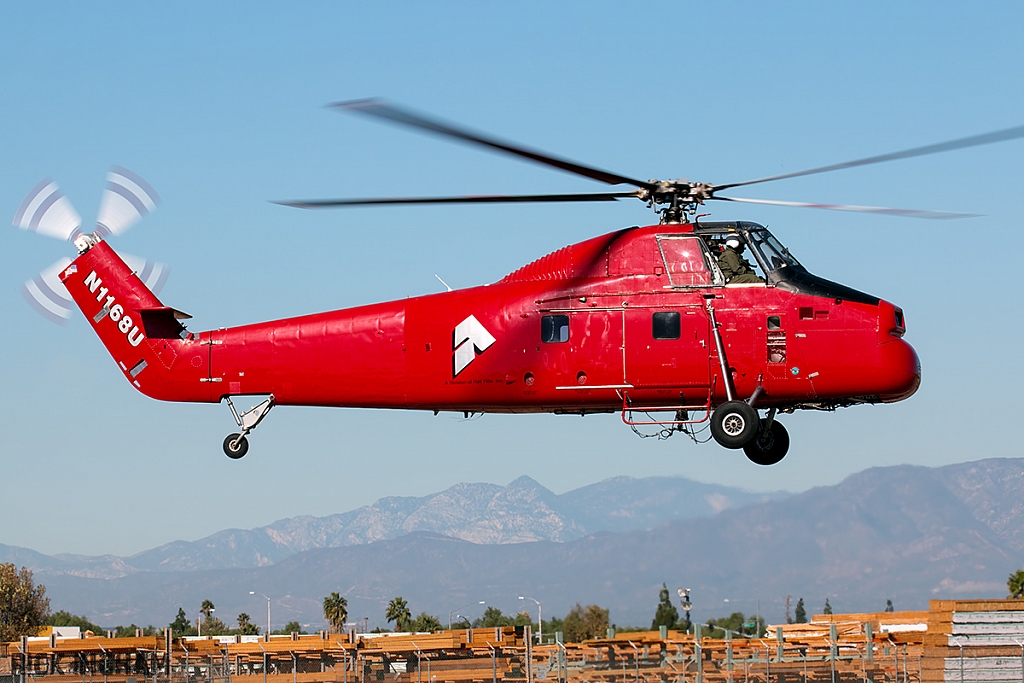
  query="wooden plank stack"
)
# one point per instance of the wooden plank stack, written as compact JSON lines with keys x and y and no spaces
{"x":981,"y":641}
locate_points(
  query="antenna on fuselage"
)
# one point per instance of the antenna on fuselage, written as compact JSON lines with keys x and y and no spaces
{"x":447,"y":286}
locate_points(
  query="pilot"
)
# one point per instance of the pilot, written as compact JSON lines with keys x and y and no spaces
{"x":734,"y":267}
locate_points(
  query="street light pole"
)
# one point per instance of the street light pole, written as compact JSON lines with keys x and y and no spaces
{"x":453,"y":611}
{"x":684,"y":602}
{"x":540,"y":620}
{"x":268,"y":609}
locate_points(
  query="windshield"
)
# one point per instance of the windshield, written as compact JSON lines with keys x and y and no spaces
{"x":772,"y":253}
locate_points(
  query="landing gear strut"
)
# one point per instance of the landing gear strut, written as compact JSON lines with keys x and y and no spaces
{"x":735,"y":424}
{"x":236,"y":445}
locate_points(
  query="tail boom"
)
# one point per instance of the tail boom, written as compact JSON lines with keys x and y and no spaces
{"x":151,"y":347}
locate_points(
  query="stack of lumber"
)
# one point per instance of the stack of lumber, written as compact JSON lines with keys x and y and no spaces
{"x":468,"y":639}
{"x":981,"y":641}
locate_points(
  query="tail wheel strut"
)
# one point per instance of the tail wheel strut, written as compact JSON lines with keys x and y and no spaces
{"x":236,"y":445}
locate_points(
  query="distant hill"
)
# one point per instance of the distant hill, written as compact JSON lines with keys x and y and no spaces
{"x":902,"y":533}
{"x":523,"y":511}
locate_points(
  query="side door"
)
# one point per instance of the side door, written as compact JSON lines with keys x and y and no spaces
{"x":667,"y":347}
{"x":598,"y":348}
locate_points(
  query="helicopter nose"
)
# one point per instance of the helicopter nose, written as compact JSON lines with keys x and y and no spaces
{"x":899,"y":370}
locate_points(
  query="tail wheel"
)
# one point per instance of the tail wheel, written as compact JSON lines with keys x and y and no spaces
{"x":235,"y":446}
{"x":769,"y":446}
{"x":734,"y":424}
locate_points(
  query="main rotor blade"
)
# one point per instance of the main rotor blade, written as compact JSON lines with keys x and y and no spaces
{"x":972,"y":141}
{"x":478,"y":199}
{"x":382,"y":110}
{"x":907,"y":213}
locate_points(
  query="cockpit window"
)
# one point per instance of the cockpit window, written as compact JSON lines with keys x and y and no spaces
{"x":733,"y":267}
{"x":771,"y":251}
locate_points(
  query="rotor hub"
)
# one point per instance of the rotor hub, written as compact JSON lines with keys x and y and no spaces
{"x":674,"y":200}
{"x":676,"y":191}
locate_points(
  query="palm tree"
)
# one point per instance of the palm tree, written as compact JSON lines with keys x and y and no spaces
{"x":1016,"y":584}
{"x":398,"y":612}
{"x":335,"y":612}
{"x":207,"y":609}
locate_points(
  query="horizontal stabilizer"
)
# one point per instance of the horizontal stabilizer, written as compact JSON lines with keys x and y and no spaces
{"x":163,"y":322}
{"x":167,"y":311}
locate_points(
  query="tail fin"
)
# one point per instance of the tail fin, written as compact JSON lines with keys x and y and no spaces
{"x":145,"y":337}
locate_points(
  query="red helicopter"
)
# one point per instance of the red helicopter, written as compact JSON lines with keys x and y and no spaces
{"x":645,"y":321}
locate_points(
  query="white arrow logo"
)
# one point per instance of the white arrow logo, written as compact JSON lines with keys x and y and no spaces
{"x":469,"y":338}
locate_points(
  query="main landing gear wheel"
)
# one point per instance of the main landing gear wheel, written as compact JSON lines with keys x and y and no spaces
{"x":734,"y":424}
{"x":235,"y":446}
{"x":769,"y":446}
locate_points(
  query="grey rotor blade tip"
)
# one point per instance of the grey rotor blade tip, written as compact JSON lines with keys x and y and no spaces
{"x":886,"y":211}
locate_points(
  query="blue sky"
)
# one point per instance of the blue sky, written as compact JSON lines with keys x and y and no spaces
{"x":220,"y":107}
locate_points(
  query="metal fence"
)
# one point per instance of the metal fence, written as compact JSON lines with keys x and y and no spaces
{"x":476,"y":656}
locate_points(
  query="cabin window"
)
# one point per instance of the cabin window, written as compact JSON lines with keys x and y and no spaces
{"x":554,"y":329}
{"x":665,"y":325}
{"x":774,"y":322}
{"x":686,"y":261}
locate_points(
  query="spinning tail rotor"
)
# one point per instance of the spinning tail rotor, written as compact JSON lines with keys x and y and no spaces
{"x":127,"y":199}
{"x":46,"y":211}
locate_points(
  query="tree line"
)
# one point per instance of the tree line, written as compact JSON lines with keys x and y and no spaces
{"x":25,"y":610}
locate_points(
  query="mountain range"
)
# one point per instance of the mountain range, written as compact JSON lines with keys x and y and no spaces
{"x":524,"y":511}
{"x":902,"y":533}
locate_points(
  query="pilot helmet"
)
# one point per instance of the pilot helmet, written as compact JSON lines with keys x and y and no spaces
{"x":734,"y":242}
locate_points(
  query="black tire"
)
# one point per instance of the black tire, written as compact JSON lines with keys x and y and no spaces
{"x":734,"y":424}
{"x":240,"y":448}
{"x":769,"y":446}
